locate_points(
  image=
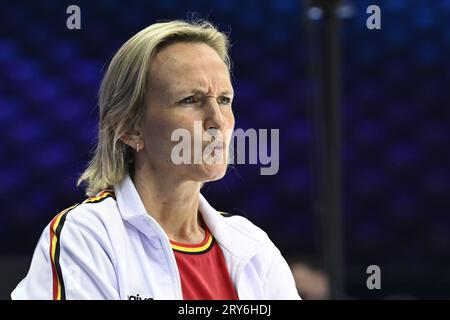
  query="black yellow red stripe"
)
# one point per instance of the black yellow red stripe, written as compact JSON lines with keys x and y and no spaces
{"x":59,"y":292}
{"x":200,"y":248}
{"x":56,"y":226}
{"x":226,"y":215}
{"x":102,"y":195}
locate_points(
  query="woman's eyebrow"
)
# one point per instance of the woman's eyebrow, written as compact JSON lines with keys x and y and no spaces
{"x":200,"y":91}
{"x":227,"y":93}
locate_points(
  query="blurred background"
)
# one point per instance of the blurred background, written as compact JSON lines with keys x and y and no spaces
{"x":395,"y":135}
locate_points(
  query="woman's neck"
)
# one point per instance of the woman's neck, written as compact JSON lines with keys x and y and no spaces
{"x":174,"y":204}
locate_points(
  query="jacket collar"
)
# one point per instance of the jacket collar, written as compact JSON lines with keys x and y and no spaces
{"x":128,"y":200}
{"x":230,"y":237}
{"x":227,"y":234}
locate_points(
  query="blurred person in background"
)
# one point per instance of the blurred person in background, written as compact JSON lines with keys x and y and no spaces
{"x":311,"y":280}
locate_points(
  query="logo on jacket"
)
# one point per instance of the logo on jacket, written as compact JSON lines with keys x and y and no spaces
{"x":137,"y":297}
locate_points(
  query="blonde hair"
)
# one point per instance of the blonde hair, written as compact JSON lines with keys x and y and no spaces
{"x":122,"y":92}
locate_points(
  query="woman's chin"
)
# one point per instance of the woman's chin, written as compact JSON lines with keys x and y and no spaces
{"x":213,"y":172}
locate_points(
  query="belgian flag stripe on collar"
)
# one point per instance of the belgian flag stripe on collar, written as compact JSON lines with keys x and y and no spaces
{"x":101,"y":196}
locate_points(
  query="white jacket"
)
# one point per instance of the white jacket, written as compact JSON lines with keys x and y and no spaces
{"x":113,"y":249}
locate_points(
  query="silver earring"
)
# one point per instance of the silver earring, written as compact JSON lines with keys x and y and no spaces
{"x":138,"y":147}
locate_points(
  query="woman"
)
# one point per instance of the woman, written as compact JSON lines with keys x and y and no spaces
{"x":146,"y":232}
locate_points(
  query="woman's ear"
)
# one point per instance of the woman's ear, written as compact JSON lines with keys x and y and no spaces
{"x":133,"y":140}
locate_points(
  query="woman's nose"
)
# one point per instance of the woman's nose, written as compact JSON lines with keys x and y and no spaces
{"x":214,"y":118}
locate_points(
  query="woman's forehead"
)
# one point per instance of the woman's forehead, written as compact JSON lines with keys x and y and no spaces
{"x":189,"y":65}
{"x":187,"y":57}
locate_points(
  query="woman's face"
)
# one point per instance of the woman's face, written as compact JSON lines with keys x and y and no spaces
{"x":189,"y":87}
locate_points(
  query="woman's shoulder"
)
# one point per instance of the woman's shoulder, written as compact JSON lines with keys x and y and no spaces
{"x":240,"y":220}
{"x":92,"y":214}
{"x":242,"y":225}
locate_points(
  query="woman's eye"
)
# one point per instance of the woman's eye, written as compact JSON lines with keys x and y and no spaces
{"x":224,"y":100}
{"x":188,"y":100}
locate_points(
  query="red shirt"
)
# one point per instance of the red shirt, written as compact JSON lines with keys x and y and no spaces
{"x":204,"y":274}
